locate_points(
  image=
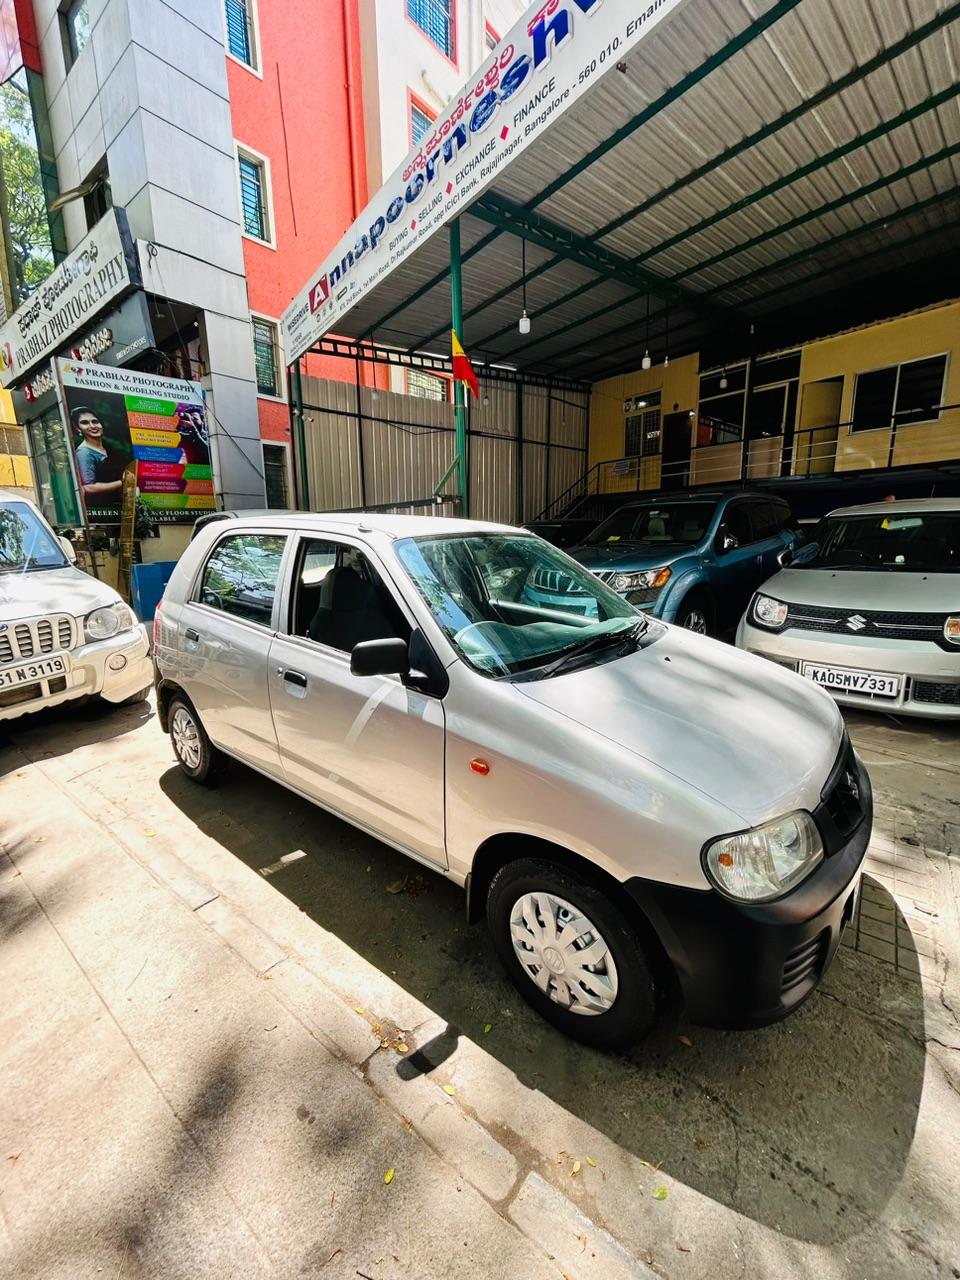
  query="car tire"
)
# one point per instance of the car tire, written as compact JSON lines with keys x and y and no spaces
{"x":696,"y":613}
{"x":196,"y":755}
{"x":522,"y":893}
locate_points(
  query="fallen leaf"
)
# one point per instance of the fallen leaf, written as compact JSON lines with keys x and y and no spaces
{"x":487,"y":1028}
{"x":562,"y":1155}
{"x":582,"y":1240}
{"x":396,"y":886}
{"x":388,"y":1176}
{"x":402,"y":1048}
{"x":150,"y":833}
{"x":16,"y":1156}
{"x":591,"y":1162}
{"x":647,"y":1165}
{"x":359,"y":1009}
{"x":333,"y":1255}
{"x":682,"y":1248}
{"x":686,"y":1041}
{"x":660,"y":1193}
{"x":39,"y":839}
{"x":576,"y":1169}
{"x":448,"y":1088}
{"x":700,"y":1144}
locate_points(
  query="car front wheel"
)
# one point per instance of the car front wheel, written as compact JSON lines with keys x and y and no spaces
{"x":196,"y":755}
{"x":571,"y":953}
{"x":696,"y":614}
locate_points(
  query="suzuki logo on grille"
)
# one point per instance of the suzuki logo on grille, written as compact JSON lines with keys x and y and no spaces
{"x":856,"y":623}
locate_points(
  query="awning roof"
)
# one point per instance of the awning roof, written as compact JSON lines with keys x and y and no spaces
{"x":783,"y":170}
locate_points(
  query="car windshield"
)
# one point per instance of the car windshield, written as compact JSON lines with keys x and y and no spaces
{"x":26,"y":544}
{"x":484,"y":591}
{"x":897,"y":541}
{"x":676,"y":524}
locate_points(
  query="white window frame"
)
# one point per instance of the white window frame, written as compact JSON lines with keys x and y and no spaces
{"x":285,"y":446}
{"x":249,"y":153}
{"x":281,"y":363}
{"x":253,"y":12}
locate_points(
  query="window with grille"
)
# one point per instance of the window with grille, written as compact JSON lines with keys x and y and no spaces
{"x":240,"y":41}
{"x":253,"y":197}
{"x":435,"y":20}
{"x":642,"y":428}
{"x":420,"y":123}
{"x":425,"y":386}
{"x":265,"y":347}
{"x":275,"y":475}
{"x":899,"y":394}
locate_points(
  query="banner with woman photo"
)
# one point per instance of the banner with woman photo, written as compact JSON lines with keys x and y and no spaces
{"x":115,"y":416}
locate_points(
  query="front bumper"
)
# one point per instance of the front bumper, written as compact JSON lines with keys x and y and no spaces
{"x":90,"y":674}
{"x":742,"y":965}
{"x":931,"y":675}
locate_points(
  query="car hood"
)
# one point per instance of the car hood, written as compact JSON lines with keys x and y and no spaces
{"x":67,"y":590}
{"x":854,"y":589}
{"x":627,"y":556}
{"x":752,"y":736}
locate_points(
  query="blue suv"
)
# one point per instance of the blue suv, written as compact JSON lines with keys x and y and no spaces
{"x":692,"y":559}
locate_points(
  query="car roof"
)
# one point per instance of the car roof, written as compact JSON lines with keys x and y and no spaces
{"x":904,"y":504}
{"x":392,"y":526}
{"x":707,"y":495}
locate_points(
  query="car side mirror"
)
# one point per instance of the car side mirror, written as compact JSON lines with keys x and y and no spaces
{"x":68,"y":549}
{"x":729,"y":542}
{"x":785,"y":557}
{"x":380,"y":658}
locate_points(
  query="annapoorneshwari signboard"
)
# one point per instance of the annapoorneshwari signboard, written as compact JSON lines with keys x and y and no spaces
{"x":554,"y":54}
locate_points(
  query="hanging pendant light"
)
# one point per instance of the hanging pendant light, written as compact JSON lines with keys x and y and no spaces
{"x":724,"y":380}
{"x":524,"y":325}
{"x":646,"y":362}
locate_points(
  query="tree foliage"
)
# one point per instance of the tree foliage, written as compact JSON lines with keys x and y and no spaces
{"x":28,"y":228}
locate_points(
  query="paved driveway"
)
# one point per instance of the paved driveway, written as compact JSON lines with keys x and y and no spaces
{"x":825,"y":1146}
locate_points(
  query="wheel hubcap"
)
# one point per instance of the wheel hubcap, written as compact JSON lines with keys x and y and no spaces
{"x":696,"y":621}
{"x":186,"y":739}
{"x":563,"y":953}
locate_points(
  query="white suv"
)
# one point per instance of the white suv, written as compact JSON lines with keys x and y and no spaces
{"x":63,"y":634}
{"x":627,"y":802}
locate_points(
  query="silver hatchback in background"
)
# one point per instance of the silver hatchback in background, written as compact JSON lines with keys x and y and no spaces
{"x":631,"y":805}
{"x":870,"y":610}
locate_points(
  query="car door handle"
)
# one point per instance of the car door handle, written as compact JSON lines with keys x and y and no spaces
{"x":190,"y":634}
{"x":296,"y":678}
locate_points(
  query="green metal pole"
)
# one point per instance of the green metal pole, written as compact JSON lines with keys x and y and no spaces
{"x":301,"y":437}
{"x":459,"y":390}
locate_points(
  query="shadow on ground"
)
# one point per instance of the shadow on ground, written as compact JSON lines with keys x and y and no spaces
{"x":66,"y":728}
{"x":805,"y":1126}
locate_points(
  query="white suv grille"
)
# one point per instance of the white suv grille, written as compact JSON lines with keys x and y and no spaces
{"x":20,"y":641}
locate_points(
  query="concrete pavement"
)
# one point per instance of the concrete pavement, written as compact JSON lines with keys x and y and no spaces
{"x":221,"y":1029}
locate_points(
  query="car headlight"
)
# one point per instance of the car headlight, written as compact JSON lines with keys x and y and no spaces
{"x":107,"y":621}
{"x":767,"y":861}
{"x":648,"y":580}
{"x":951,"y":629}
{"x":769,"y":613}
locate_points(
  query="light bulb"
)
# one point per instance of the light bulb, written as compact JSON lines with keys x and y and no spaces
{"x":646,"y":362}
{"x":723,"y":383}
{"x":666,"y":361}
{"x":524,"y":322}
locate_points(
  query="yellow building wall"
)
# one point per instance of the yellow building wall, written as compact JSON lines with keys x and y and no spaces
{"x":14,"y":467}
{"x":678,"y":384}
{"x":924,"y":333}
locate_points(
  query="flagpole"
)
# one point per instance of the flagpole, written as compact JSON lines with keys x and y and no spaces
{"x":459,"y":390}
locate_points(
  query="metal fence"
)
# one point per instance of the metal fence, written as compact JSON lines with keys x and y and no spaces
{"x":368,"y":448}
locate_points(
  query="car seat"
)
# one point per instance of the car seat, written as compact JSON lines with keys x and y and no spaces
{"x":349,"y":612}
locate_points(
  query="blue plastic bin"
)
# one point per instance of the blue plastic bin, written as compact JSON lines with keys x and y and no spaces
{"x":147,"y":585}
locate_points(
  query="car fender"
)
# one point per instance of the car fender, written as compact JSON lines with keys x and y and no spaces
{"x":691,"y":577}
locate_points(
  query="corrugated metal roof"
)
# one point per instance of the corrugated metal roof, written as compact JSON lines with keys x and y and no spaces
{"x":817,"y":202}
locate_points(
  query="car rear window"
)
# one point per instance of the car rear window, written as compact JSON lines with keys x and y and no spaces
{"x":241,"y":576}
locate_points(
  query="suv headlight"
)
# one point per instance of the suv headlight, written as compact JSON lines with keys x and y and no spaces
{"x":648,"y":580}
{"x":951,"y":629}
{"x":769,"y":613}
{"x":107,"y":621}
{"x":767,"y":861}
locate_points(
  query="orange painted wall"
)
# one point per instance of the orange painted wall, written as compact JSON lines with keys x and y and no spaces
{"x":305,"y":114}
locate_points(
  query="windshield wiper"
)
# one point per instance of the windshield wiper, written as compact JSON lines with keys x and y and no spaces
{"x":619,"y":639}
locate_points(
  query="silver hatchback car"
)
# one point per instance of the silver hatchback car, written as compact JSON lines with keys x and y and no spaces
{"x":632,"y":806}
{"x":870,"y":609}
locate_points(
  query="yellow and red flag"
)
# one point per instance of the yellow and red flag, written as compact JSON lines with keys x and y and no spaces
{"x":462,"y":368}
